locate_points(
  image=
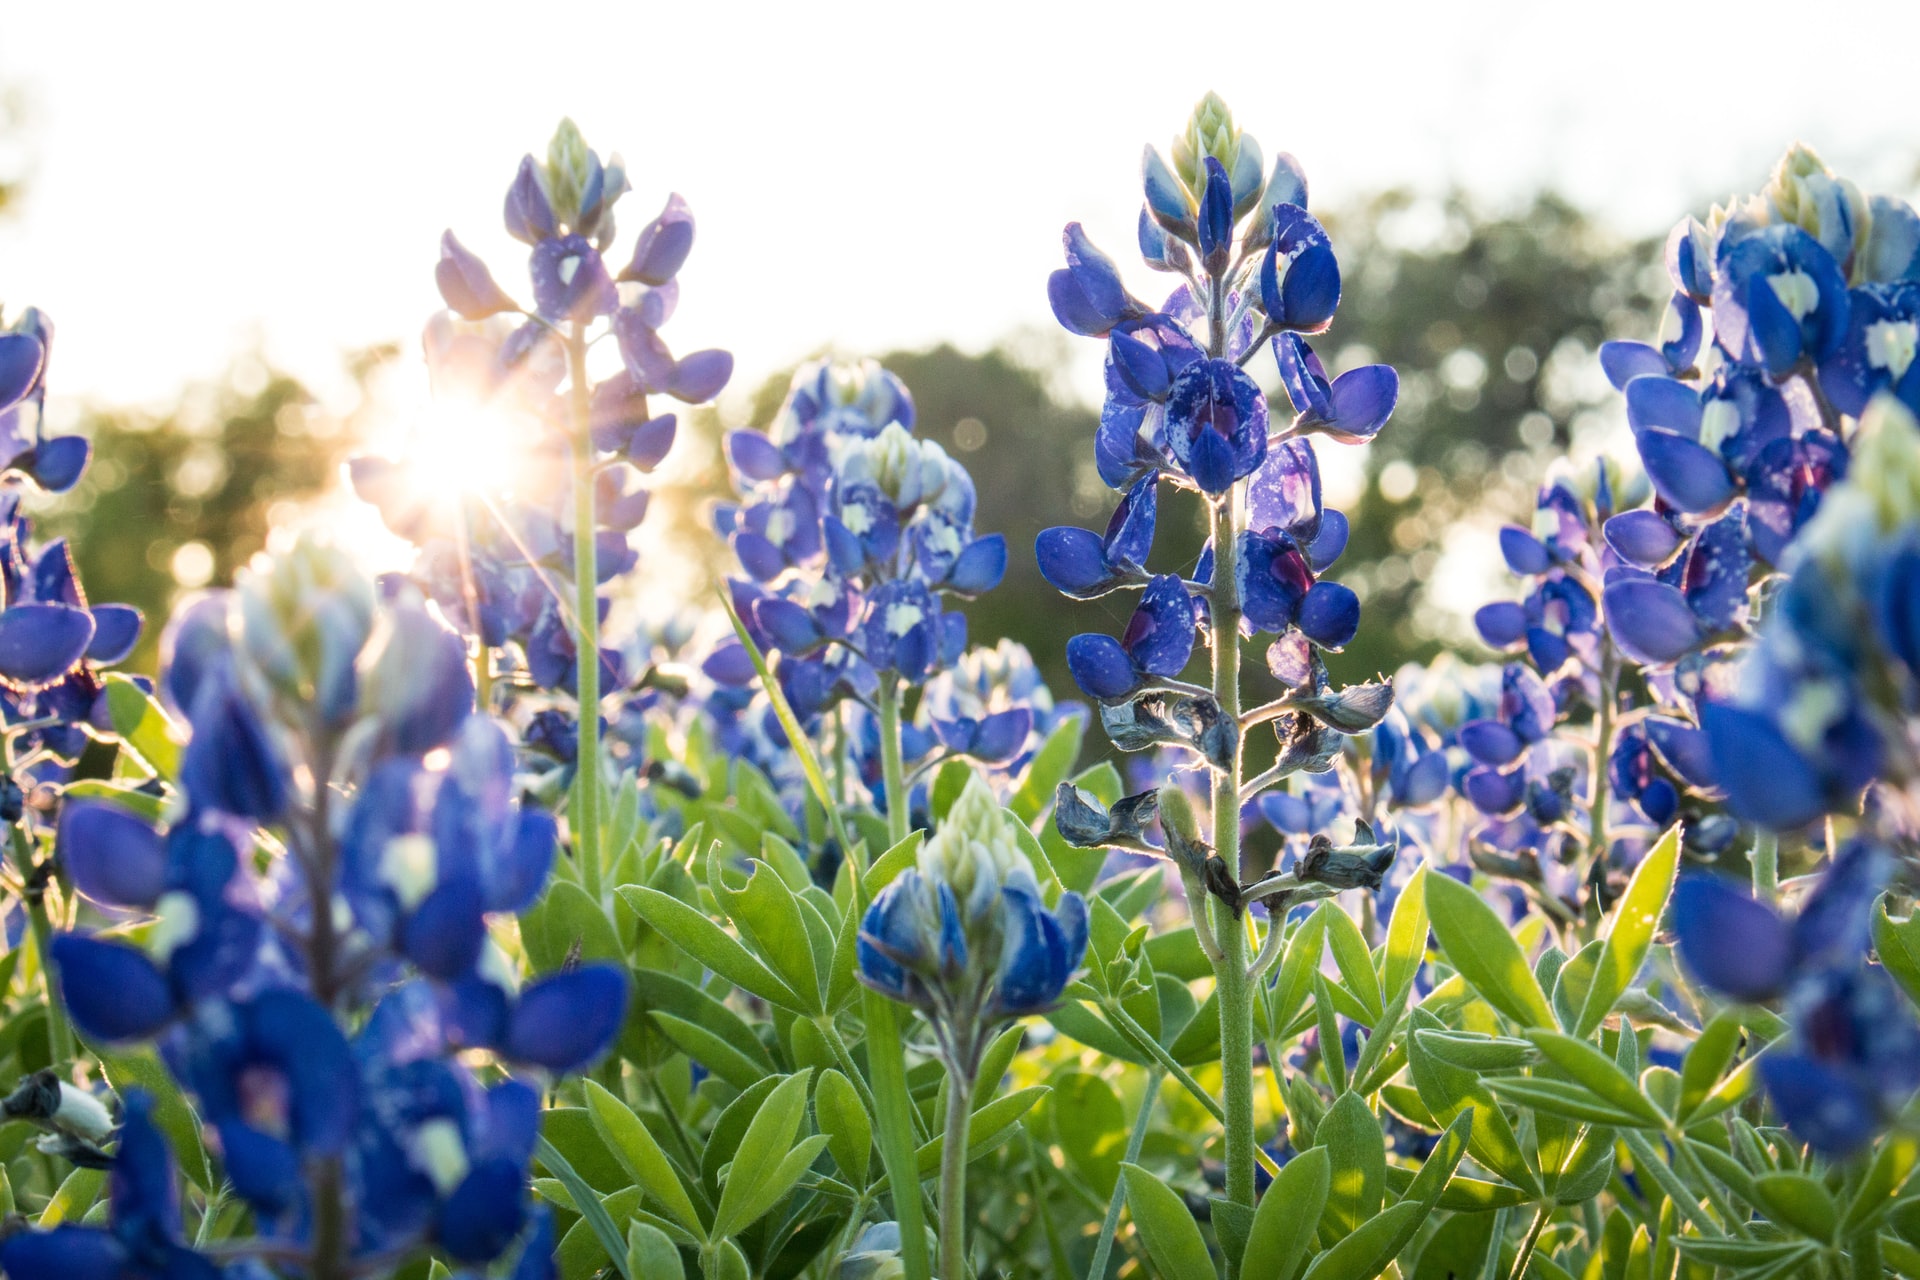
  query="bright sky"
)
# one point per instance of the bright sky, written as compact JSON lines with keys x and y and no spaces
{"x":210,"y":174}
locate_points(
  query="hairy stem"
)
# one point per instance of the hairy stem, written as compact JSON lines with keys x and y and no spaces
{"x":1766,"y":865}
{"x":886,"y":1056}
{"x":953,"y":1172}
{"x":1233,"y":989}
{"x":585,"y":820}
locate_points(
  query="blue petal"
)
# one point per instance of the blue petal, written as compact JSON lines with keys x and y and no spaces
{"x":701,"y":376}
{"x":297,"y":1034}
{"x":1731,"y":943}
{"x":40,"y":643}
{"x":112,"y":991}
{"x":1650,"y":621}
{"x":465,"y":283}
{"x":1525,"y":554}
{"x":662,"y":247}
{"x":1101,"y":667}
{"x":22,"y":357}
{"x":1002,"y":734}
{"x":1361,"y":400}
{"x":1766,"y":778}
{"x":1685,"y":473}
{"x":1129,"y":536}
{"x":484,"y":1212}
{"x":1493,"y":792}
{"x":116,"y":630}
{"x":1642,"y":537}
{"x":65,"y":1253}
{"x":446,"y":932}
{"x":1159,"y":637}
{"x":980,"y":567}
{"x":528,"y":215}
{"x":1073,"y":561}
{"x":230,"y":764}
{"x":1625,"y":361}
{"x":1825,"y":1108}
{"x":1501,"y":624}
{"x":112,"y":856}
{"x":754,"y":456}
{"x":1832,"y":929}
{"x":1665,"y":404}
{"x":789,"y":626}
{"x":56,"y":464}
{"x":651,"y":440}
{"x":1326,"y":548}
{"x":1329,"y":615}
{"x":1491,"y":742}
{"x":566,"y":1021}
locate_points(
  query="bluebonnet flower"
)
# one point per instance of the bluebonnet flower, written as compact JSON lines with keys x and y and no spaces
{"x":1181,"y":411}
{"x":1823,"y":699}
{"x":1850,"y":1061}
{"x":316,"y":1006}
{"x":522,"y":572}
{"x":965,"y":935}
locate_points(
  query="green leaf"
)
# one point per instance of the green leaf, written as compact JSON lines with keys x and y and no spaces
{"x":1478,"y":1052}
{"x":143,"y":726}
{"x":1356,"y":964}
{"x":1892,"y":1164}
{"x":73,"y":1198}
{"x":709,"y":1050}
{"x":660,"y":992}
{"x":1800,"y":1202}
{"x":1167,"y":1228}
{"x":1048,"y":769}
{"x":1898,"y":942}
{"x":593,"y":1213}
{"x":1366,"y":1253}
{"x":711,"y":945}
{"x":636,"y":1149}
{"x":1706,"y":1059}
{"x":841,"y":1115}
{"x":564,"y":916}
{"x":1297,"y":968}
{"x":1288,"y":1213}
{"x":1353,"y":1141}
{"x":770,"y":1188}
{"x":573,"y":1134}
{"x":1407,"y":933}
{"x":1479,"y":947}
{"x":1446,"y":1090}
{"x":769,"y":1138}
{"x":1597,"y":1073}
{"x":768,"y":915}
{"x":1631,"y":931}
{"x":1568,"y":1101}
{"x":1436,"y":1171}
{"x":801,"y":745}
{"x":988,"y":1124}
{"x":650,"y":1252}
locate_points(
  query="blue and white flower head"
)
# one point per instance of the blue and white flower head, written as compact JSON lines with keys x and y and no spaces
{"x":965,"y":935}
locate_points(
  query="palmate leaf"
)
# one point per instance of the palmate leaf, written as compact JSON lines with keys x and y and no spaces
{"x":1630,"y":931}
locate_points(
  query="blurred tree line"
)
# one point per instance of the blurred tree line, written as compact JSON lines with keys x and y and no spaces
{"x":1492,"y":317}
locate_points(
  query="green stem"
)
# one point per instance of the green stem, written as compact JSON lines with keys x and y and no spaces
{"x":59,"y":1033}
{"x":1124,"y":1023}
{"x":1766,"y":865}
{"x":1524,"y":1258}
{"x":893,"y":768}
{"x":1602,"y":752}
{"x":1233,"y":990}
{"x":1135,"y":1140}
{"x":586,"y":572}
{"x":886,"y":1055}
{"x":953,"y":1173}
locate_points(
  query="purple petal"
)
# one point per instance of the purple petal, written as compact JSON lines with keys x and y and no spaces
{"x":1650,"y":620}
{"x":1625,"y":361}
{"x":1664,"y":403}
{"x":1101,"y":667}
{"x":1501,"y":624}
{"x":116,"y":630}
{"x":21,"y":359}
{"x":1329,"y":615}
{"x":700,"y":377}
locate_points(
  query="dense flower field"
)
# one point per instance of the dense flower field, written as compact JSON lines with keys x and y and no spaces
{"x":436,"y":923}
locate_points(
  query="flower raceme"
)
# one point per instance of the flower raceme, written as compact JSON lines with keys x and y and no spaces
{"x":341,"y":722}
{"x":965,"y":935}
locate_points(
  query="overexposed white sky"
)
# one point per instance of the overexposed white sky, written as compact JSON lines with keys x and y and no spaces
{"x":211,"y":174}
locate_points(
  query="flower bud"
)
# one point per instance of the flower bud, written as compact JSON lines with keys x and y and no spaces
{"x":975,"y":851}
{"x":414,"y":680}
{"x":1181,"y":825}
{"x":305,"y":616}
{"x":1210,"y":132}
{"x":571,"y":167}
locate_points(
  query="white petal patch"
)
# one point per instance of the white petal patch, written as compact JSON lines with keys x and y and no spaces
{"x":902,"y":618}
{"x":409,"y":867}
{"x":1797,"y":292}
{"x":1891,"y":345}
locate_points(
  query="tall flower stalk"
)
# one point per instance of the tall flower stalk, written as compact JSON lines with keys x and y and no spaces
{"x":1181,"y":410}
